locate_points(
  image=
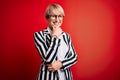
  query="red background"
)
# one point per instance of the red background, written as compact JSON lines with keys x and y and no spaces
{"x":94,"y":26}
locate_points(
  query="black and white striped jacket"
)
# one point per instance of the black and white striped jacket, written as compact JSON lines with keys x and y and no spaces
{"x":48,"y":46}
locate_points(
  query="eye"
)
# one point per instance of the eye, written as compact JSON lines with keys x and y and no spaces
{"x":56,"y":16}
{"x":53,"y":15}
{"x":60,"y":16}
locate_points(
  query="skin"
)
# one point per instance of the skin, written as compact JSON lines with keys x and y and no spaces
{"x":54,"y":25}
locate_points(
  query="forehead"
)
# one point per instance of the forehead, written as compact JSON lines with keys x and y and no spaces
{"x":56,"y":11}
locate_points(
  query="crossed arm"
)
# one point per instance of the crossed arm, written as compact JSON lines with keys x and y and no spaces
{"x":49,"y":53}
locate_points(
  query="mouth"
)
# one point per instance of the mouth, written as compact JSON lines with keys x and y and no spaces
{"x":56,"y":23}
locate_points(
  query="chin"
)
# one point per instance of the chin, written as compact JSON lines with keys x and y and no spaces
{"x":57,"y":26}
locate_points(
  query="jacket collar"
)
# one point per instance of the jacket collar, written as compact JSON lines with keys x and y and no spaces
{"x":47,"y":30}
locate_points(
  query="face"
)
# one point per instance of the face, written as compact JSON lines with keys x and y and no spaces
{"x":55,"y":19}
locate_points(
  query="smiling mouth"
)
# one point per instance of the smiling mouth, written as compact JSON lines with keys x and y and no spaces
{"x":56,"y":23}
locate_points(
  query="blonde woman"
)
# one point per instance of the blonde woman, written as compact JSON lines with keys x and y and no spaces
{"x":55,"y":47}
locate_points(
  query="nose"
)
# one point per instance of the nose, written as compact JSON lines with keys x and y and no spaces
{"x":56,"y":18}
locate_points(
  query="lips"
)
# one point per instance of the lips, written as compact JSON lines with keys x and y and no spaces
{"x":56,"y":23}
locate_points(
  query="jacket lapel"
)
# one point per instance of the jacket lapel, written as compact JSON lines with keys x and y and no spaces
{"x":47,"y":36}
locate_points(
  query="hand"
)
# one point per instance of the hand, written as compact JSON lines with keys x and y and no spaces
{"x":54,"y":66}
{"x":56,"y":31}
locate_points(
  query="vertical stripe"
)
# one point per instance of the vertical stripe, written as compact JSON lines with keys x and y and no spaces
{"x":54,"y":78}
{"x":69,"y":77}
{"x":66,"y":74}
{"x":65,"y":39}
{"x":50,"y":74}
{"x":45,"y":75}
{"x":48,"y":51}
{"x":47,"y":41}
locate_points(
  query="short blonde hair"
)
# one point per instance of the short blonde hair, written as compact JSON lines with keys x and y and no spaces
{"x":52,"y":7}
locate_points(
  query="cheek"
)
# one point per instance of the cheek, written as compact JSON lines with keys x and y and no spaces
{"x":61,"y":21}
{"x":49,"y":21}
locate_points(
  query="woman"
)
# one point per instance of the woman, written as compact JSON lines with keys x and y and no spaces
{"x":55,"y":47}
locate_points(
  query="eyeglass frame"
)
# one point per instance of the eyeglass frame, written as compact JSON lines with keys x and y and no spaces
{"x":53,"y":16}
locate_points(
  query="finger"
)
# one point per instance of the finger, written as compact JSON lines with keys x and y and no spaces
{"x":51,"y":69}
{"x":49,"y":65}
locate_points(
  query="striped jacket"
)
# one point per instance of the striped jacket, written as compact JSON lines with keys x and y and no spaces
{"x":47,"y":47}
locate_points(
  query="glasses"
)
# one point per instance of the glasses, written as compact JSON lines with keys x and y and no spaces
{"x":56,"y":16}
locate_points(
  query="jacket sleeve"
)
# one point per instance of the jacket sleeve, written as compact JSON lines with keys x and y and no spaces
{"x":47,"y":53}
{"x":72,"y":56}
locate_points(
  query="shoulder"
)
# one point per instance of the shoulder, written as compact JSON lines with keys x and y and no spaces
{"x":66,"y":34}
{"x":67,"y":37}
{"x":42,"y":32}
